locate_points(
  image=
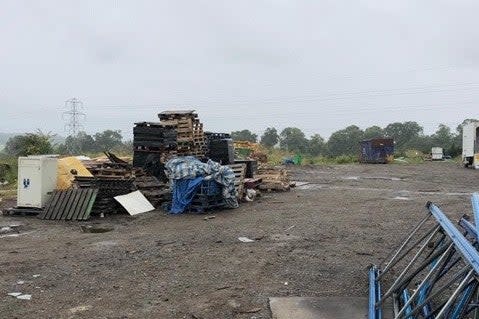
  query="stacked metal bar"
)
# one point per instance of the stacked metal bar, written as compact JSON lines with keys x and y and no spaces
{"x":190,"y":136}
{"x":220,"y":148}
{"x":433,"y":274}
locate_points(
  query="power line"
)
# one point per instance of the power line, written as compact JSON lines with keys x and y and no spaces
{"x":73,"y":115}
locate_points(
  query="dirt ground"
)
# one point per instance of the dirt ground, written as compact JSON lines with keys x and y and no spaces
{"x":316,"y":240}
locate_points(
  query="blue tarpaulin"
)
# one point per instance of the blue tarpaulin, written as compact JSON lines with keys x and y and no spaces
{"x":184,"y":172}
{"x":183,"y":192}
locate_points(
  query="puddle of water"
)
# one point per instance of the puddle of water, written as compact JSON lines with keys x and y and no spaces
{"x":310,"y":186}
{"x":401,"y":198}
{"x":355,"y":178}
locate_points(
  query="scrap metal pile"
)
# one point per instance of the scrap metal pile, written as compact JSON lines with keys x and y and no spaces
{"x":433,"y":274}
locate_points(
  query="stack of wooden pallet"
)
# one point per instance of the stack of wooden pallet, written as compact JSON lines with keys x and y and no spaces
{"x":273,"y":178}
{"x":239,"y":170}
{"x":153,"y":140}
{"x":207,"y":198}
{"x":108,"y":187}
{"x":154,"y":190}
{"x":220,"y":148}
{"x":190,"y":136}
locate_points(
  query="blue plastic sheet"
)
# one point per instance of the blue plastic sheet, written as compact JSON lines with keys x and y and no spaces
{"x":183,"y":192}
{"x":189,"y":168}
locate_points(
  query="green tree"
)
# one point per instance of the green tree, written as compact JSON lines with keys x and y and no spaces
{"x":373,"y":132}
{"x":244,"y":135}
{"x":346,"y":141}
{"x":317,"y":145}
{"x":270,"y":137}
{"x":443,"y":137}
{"x":403,"y":133}
{"x":79,"y":144}
{"x":29,"y":144}
{"x":108,"y":140}
{"x":293,"y":139}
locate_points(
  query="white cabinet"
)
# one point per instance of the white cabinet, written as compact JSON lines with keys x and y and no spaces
{"x":37,"y":178}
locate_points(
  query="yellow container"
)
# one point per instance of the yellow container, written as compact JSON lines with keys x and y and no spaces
{"x":68,"y":168}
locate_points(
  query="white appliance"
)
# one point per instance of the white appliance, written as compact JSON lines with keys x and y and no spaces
{"x":37,"y":178}
{"x":437,"y":154}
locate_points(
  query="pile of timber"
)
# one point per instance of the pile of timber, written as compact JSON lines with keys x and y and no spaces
{"x":273,"y":178}
{"x":220,"y":148}
{"x":153,"y":145}
{"x":190,"y":137}
{"x":108,"y":187}
{"x":239,"y":171}
{"x":155,"y":191}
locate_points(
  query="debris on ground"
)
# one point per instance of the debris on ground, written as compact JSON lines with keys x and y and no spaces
{"x":245,"y":240}
{"x":135,"y":203}
{"x":97,"y":187}
{"x":442,"y":263}
{"x":95,"y":229}
{"x":273,"y":178}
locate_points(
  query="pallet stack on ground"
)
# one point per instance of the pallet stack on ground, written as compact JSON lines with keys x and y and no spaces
{"x":154,"y":190}
{"x":251,"y":167}
{"x":273,"y":178}
{"x":152,"y":140}
{"x":108,"y":187}
{"x":220,"y":148}
{"x":190,"y":136}
{"x":207,"y":198}
{"x":70,"y":204}
{"x":240,"y":171}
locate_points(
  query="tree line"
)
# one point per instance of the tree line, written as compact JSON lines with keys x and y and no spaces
{"x":82,"y":143}
{"x":407,"y":136}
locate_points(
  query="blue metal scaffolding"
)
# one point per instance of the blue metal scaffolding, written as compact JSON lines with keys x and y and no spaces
{"x":434,"y":272}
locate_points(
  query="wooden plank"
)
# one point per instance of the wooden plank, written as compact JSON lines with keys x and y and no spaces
{"x":68,"y":204}
{"x":79,"y":205}
{"x":55,"y":208}
{"x":56,"y":199}
{"x":85,"y":204}
{"x":91,"y":201}
{"x":47,"y":207}
{"x":63,"y":205}
{"x":51,"y":213}
{"x":74,"y":205}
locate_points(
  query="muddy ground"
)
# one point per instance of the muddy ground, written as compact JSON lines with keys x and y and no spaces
{"x":316,"y":240}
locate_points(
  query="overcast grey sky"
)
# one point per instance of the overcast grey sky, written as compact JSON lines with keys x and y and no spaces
{"x":318,"y":65}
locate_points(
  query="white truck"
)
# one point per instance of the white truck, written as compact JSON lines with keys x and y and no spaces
{"x":437,"y":154}
{"x":470,"y":144}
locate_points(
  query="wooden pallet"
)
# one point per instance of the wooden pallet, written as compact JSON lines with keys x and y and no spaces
{"x":72,"y":204}
{"x":240,"y":172}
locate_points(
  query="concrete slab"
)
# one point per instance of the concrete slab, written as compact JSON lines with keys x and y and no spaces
{"x":319,"y":307}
